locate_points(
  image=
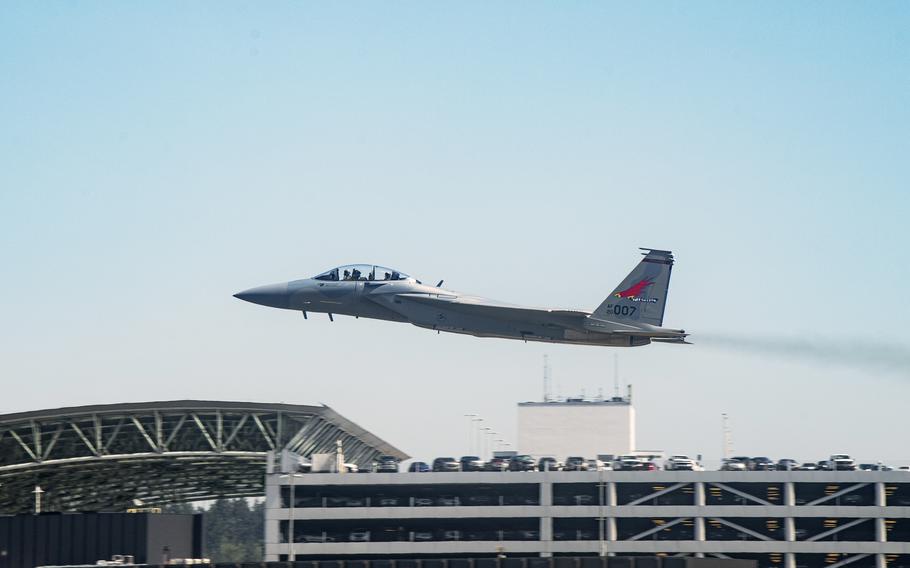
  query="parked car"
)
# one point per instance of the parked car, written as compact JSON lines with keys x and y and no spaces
{"x":446,"y":464}
{"x":423,"y":502}
{"x":583,"y":499}
{"x":595,"y":465}
{"x":359,"y":535}
{"x":418,"y":467}
{"x":576,"y":463}
{"x":628,"y":462}
{"x":450,"y":535}
{"x":421,"y":536}
{"x":839,"y":462}
{"x":345,"y":502}
{"x":808,"y":466}
{"x":787,"y":464}
{"x":448,"y":501}
{"x":548,"y":464}
{"x":497,"y":464}
{"x":482,"y":500}
{"x":733,"y":464}
{"x":760,"y":463}
{"x":386,"y":464}
{"x":471,"y":463}
{"x":649,"y":466}
{"x":387,"y":501}
{"x":875,"y":467}
{"x":522,"y":463}
{"x":679,"y":462}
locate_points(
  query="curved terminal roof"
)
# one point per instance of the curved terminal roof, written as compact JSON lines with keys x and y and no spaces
{"x":105,"y":457}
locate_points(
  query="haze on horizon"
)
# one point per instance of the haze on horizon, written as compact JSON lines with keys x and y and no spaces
{"x":157,"y":158}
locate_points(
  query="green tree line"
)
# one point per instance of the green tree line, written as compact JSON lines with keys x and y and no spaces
{"x":233,"y":529}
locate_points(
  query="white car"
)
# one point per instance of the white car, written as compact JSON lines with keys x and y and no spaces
{"x":839,"y":462}
{"x":628,"y":463}
{"x":679,"y":463}
{"x":733,"y":465}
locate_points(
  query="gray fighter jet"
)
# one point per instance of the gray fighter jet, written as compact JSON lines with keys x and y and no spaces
{"x":631,"y":315}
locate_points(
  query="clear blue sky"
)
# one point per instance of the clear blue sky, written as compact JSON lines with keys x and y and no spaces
{"x":155,"y":158}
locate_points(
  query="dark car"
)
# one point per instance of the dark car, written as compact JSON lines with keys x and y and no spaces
{"x":448,"y":501}
{"x":522,"y":463}
{"x":760,"y":463}
{"x":386,"y":464}
{"x":482,"y":500}
{"x":497,"y":464}
{"x":576,"y":463}
{"x":418,"y":467}
{"x":787,"y":464}
{"x":446,"y":464}
{"x":471,"y":463}
{"x":548,"y":464}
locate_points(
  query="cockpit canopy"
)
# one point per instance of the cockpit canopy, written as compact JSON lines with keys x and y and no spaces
{"x":368,"y":272}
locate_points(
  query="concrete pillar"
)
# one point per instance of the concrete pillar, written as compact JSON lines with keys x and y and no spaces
{"x":789,"y":560}
{"x":546,"y":534}
{"x":291,"y":504}
{"x":611,"y":516}
{"x":881,"y":500}
{"x":699,"y":501}
{"x":789,"y":494}
{"x":880,"y":561}
{"x":789,"y":521}
{"x":546,"y":517}
{"x":546,"y":493}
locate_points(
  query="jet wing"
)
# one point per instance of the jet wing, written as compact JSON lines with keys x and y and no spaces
{"x":490,"y":308}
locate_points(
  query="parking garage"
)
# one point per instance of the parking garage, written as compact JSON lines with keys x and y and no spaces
{"x":779,"y":518}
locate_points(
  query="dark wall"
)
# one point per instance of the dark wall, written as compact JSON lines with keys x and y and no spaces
{"x":174,"y":532}
{"x":27,"y":541}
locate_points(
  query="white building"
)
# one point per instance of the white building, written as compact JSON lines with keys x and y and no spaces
{"x":576,"y":427}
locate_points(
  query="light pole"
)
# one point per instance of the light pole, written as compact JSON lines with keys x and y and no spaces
{"x":483,"y":440}
{"x":470,"y":418}
{"x":38,"y":491}
{"x":477,"y":426}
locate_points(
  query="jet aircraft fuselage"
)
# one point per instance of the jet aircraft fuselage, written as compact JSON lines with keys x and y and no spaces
{"x":631,"y":316}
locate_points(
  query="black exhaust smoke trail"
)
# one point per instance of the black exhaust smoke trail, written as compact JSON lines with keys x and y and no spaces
{"x":874,"y":356}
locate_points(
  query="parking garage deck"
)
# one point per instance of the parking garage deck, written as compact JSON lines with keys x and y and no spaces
{"x":780,"y":518}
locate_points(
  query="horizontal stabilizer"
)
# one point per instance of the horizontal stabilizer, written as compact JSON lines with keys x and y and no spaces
{"x":680,"y":340}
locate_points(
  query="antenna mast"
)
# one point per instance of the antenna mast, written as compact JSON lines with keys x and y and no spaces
{"x":616,"y":375}
{"x":727,"y":436}
{"x":546,"y":378}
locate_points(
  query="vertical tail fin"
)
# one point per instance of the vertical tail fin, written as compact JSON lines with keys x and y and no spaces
{"x":642,"y":296}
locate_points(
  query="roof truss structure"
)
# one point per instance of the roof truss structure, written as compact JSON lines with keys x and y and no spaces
{"x":101,"y":458}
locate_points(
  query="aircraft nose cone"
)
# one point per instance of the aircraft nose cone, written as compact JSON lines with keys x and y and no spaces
{"x":272,"y":295}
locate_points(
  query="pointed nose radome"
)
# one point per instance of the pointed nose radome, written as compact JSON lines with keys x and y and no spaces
{"x":272,"y":295}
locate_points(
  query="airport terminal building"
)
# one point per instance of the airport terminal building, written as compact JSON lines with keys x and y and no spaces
{"x":779,"y":518}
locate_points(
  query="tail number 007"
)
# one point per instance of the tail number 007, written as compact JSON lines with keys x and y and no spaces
{"x":619,"y":310}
